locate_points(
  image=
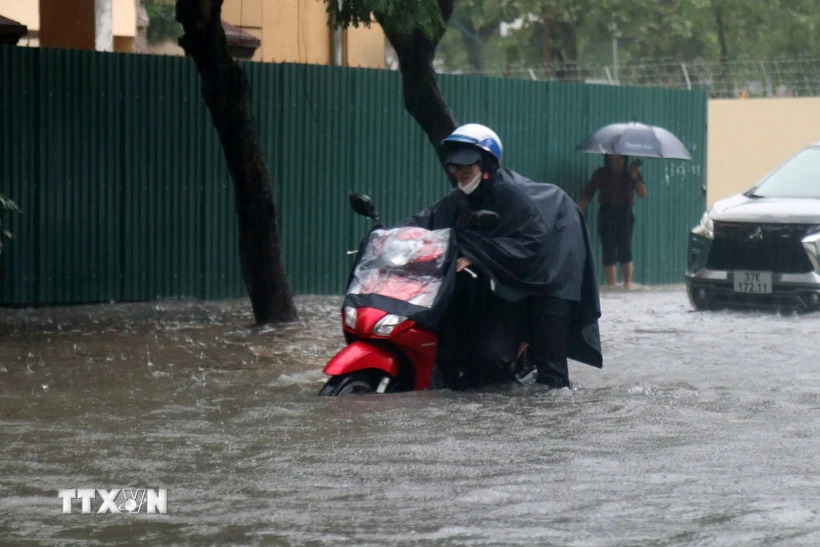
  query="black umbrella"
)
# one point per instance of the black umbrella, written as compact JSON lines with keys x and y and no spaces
{"x":635,"y":139}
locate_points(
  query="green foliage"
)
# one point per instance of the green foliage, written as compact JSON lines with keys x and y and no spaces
{"x":472,"y":37}
{"x":6,"y":204}
{"x":395,"y":16}
{"x":581,"y":31}
{"x":162,"y":24}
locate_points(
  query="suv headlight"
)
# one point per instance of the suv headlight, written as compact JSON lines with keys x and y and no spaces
{"x":811,"y":244}
{"x":706,"y":228}
{"x":387,"y":323}
{"x":350,"y":316}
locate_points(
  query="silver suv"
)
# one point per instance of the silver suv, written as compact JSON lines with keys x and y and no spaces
{"x":762,"y":247}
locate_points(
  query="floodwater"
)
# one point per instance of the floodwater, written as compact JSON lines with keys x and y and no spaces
{"x":702,"y":429}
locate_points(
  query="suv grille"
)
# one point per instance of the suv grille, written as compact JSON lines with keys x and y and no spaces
{"x":762,"y":247}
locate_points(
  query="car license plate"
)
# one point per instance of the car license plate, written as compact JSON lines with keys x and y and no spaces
{"x":753,"y":282}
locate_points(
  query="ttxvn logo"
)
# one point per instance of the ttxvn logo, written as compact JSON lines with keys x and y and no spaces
{"x":118,"y":500}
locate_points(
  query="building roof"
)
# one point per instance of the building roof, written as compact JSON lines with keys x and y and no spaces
{"x":11,"y":31}
{"x":242,"y":44}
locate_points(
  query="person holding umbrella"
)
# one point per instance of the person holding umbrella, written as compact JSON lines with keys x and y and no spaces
{"x":618,"y":186}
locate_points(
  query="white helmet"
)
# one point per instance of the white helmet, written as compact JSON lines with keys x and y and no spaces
{"x":480,"y":136}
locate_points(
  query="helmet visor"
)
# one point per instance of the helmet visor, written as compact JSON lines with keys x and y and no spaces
{"x":464,"y":155}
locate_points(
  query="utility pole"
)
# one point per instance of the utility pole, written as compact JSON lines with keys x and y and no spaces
{"x":615,"y":35}
{"x":338,"y":42}
{"x":103,"y":25}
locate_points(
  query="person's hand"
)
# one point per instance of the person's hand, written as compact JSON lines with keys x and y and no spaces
{"x":462,"y":263}
{"x":633,"y":169}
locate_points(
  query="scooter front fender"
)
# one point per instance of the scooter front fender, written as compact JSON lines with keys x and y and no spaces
{"x":359,"y":356}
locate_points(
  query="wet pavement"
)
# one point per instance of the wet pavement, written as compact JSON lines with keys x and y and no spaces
{"x":700,"y":430}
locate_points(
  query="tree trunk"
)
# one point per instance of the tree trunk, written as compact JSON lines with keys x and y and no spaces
{"x":568,"y":50}
{"x":140,"y":40}
{"x":227,"y":94}
{"x":475,"y":47}
{"x":546,"y":47}
{"x":724,"y":52}
{"x":474,"y":40}
{"x":422,"y":95}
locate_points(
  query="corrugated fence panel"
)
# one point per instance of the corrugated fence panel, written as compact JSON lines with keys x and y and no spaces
{"x":393,"y":162}
{"x":127,"y":196}
{"x":79,"y":151}
{"x":318,"y":148}
{"x":180,"y":229}
{"x":140,"y":205}
{"x":309,"y":151}
{"x":164,"y":185}
{"x":570,"y":121}
{"x":19,"y":151}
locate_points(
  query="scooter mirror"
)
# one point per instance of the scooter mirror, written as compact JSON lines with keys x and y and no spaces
{"x":483,"y":219}
{"x":363,"y":206}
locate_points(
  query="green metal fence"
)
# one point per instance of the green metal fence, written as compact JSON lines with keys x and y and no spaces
{"x":126,"y":195}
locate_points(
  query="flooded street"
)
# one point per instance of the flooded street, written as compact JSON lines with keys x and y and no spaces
{"x":700,"y":430}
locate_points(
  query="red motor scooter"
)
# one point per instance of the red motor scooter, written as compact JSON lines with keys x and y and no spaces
{"x":401,"y":276}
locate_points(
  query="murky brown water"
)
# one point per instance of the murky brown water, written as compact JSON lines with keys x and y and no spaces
{"x":701,"y":430}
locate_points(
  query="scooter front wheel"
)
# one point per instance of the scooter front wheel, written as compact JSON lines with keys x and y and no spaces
{"x":354,"y":383}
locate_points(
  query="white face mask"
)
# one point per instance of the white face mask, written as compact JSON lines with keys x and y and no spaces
{"x":470,"y":187}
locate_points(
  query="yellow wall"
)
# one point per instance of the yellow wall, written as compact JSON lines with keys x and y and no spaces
{"x":124,"y":15}
{"x":70,"y":23}
{"x":296,"y":31}
{"x":26,"y":12}
{"x":364,"y":47}
{"x":293,"y":31}
{"x":749,"y":138}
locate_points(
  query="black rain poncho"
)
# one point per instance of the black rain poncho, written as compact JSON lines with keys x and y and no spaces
{"x":539,"y":247}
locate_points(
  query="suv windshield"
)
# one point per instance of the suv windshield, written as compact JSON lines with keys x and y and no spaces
{"x":797,"y":178}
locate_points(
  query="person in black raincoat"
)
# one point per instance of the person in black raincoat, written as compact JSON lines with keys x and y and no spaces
{"x":538,"y":256}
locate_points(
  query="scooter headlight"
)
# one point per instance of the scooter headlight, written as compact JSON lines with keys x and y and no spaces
{"x":350,"y":316}
{"x":387,"y":323}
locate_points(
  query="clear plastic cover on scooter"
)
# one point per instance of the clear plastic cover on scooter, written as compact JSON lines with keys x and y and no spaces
{"x":403,"y":263}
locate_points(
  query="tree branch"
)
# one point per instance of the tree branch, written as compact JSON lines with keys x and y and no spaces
{"x":422,"y":95}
